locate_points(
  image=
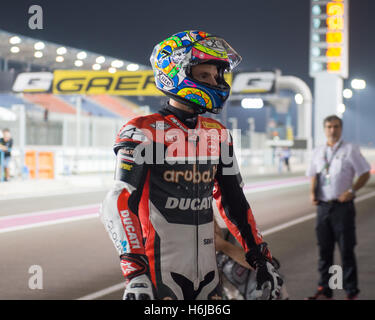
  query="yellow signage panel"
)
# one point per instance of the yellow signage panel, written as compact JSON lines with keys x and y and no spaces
{"x":333,"y":52}
{"x":335,"y":9}
{"x":329,"y":50}
{"x":126,"y":83}
{"x":334,"y":37}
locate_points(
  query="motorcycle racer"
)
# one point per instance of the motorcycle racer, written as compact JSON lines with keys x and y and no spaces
{"x":170,"y":167}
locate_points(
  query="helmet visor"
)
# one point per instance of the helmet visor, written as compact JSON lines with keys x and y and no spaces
{"x":215,"y":48}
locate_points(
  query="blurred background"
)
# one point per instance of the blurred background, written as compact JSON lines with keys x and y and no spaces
{"x":301,"y":62}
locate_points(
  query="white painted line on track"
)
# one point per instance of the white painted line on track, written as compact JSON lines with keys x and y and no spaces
{"x":49,"y":223}
{"x":31,"y":220}
{"x":275,"y":184}
{"x":104,"y":292}
{"x":280,"y":227}
{"x":47,"y":217}
{"x":289,"y":224}
{"x":47,"y":212}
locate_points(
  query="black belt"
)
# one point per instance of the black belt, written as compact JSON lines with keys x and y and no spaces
{"x":334,"y":202}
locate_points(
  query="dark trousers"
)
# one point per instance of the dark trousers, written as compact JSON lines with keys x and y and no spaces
{"x":336,"y":223}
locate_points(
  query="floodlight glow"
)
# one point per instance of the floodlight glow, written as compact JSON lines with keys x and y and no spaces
{"x":61,"y":50}
{"x":298,"y":98}
{"x":358,"y":84}
{"x":14,"y":49}
{"x":100,"y":59}
{"x":112,"y":70}
{"x":347,"y":93}
{"x":78,"y":63}
{"x":117,"y":64}
{"x":81,"y":55}
{"x":59,"y":59}
{"x":252,"y":103}
{"x":341,"y":108}
{"x":96,"y":66}
{"x":39,"y":45}
{"x":38,"y":54}
{"x":15,"y":40}
{"x":132,"y":67}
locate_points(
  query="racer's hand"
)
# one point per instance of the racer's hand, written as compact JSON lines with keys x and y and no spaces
{"x":136,"y":272}
{"x":139,"y":288}
{"x":268,"y":281}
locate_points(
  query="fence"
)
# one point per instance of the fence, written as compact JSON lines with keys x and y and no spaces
{"x":86,"y":146}
{"x":63,"y":130}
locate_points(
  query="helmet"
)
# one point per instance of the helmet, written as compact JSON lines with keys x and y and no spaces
{"x":173,"y":58}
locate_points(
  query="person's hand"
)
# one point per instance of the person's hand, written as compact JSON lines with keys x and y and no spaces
{"x":346,"y":196}
{"x":139,"y":288}
{"x":314,"y":201}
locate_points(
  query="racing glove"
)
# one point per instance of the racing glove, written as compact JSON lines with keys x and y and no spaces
{"x":268,"y":280}
{"x":137,"y":277}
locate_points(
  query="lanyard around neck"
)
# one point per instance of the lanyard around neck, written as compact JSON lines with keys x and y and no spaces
{"x":328,"y":162}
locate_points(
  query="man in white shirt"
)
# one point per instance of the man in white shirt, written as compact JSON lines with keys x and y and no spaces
{"x":332,"y":171}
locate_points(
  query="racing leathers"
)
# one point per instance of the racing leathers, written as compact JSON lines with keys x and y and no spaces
{"x":159,"y":213}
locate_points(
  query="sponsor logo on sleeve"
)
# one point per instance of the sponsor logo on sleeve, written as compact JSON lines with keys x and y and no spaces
{"x":127,"y":154}
{"x":160,"y":125}
{"x":131,"y":132}
{"x":126,"y":166}
{"x":211,"y":125}
{"x":130,"y":230}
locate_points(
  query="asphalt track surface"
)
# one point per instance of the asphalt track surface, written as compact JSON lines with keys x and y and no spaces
{"x":78,"y":260}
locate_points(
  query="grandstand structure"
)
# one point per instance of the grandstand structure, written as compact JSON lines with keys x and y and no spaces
{"x":80,"y":129}
{"x":77,"y":128}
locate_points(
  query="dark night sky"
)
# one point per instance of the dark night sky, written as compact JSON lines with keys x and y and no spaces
{"x":267,"y":33}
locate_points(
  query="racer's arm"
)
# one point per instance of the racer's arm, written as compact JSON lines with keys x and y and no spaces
{"x":232,"y":204}
{"x":119,"y":214}
{"x":237,"y":214}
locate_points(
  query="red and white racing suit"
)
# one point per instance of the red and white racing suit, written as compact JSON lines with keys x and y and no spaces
{"x":161,"y":204}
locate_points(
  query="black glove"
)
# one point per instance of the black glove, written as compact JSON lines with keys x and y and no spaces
{"x":136,"y":272}
{"x":268,"y":279}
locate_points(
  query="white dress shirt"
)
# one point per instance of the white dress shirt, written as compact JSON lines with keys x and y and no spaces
{"x":347,"y":163}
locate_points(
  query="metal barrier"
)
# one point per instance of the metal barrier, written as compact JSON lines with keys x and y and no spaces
{"x":63,"y":161}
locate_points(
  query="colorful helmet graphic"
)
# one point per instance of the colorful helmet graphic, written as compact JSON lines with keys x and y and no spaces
{"x":173,"y":58}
